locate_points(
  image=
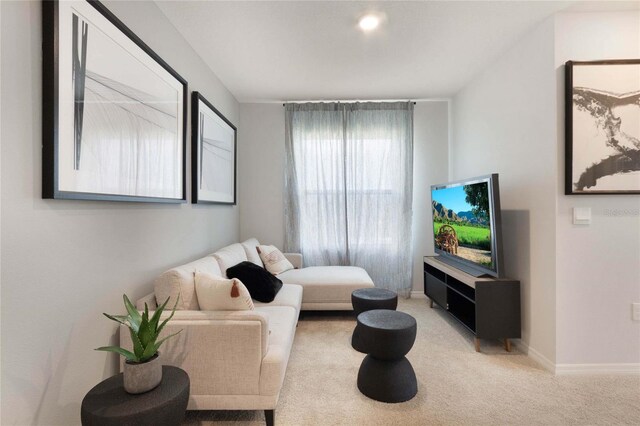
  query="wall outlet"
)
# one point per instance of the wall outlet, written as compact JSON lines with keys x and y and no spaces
{"x":635,"y":311}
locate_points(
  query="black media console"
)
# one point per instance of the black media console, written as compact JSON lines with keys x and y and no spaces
{"x":488,"y":307}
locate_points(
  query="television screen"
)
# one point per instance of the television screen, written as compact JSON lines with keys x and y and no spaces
{"x":463,"y":222}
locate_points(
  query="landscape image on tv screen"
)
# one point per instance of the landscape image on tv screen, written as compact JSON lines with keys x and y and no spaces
{"x":462,"y":222}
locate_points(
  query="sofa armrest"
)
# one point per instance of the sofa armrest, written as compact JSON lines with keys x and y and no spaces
{"x":222,"y":352}
{"x":295,"y":259}
{"x":149,"y":299}
{"x":220,"y":318}
{"x":273,"y":370}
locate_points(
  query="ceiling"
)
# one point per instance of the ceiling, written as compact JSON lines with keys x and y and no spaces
{"x":311,"y":50}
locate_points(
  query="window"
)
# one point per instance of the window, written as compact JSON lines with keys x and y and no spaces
{"x":349,"y":187}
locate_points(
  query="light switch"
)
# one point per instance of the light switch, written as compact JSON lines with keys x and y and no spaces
{"x":582,"y":215}
{"x":635,"y":311}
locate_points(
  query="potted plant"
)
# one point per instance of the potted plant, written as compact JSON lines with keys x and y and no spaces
{"x":142,"y":369}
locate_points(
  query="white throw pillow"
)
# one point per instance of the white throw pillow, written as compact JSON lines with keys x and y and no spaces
{"x":221,"y":294}
{"x":251,"y":249}
{"x":273,"y":259}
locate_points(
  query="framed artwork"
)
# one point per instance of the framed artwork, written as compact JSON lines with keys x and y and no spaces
{"x":114,"y":113}
{"x":213,"y":156}
{"x":602,"y":127}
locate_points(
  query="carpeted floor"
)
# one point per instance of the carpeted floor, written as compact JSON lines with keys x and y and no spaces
{"x":456,"y":385}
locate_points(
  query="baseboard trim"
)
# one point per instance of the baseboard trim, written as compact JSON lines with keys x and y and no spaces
{"x":564,"y":369}
{"x":544,"y":362}
{"x":577,"y":369}
{"x":621,"y":368}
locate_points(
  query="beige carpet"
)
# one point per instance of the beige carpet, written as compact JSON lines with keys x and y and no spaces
{"x":456,"y":385}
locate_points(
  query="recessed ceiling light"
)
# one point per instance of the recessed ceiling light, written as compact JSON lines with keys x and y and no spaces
{"x":369,"y":22}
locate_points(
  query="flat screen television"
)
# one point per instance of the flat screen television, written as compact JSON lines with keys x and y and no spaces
{"x":467,"y":225}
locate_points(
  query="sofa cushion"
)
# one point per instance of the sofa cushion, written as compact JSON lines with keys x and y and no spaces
{"x":330,"y":284}
{"x":230,"y":256}
{"x":290,"y":295}
{"x":221,"y":294}
{"x":282,"y":324}
{"x":261,"y":284}
{"x":179,"y":283}
{"x":251,"y":250}
{"x":273,"y":259}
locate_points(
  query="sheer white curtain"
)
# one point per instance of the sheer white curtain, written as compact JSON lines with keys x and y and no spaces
{"x":349,"y":187}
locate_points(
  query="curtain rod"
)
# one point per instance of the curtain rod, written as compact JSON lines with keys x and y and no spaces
{"x":347,"y":102}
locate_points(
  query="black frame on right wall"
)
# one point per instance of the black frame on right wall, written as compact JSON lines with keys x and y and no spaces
{"x":596,"y":140}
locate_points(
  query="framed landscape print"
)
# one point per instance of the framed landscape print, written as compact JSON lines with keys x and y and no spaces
{"x":602,"y":113}
{"x":114,"y":118}
{"x":213,"y":154}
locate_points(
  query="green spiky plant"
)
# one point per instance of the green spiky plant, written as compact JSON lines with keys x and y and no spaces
{"x":144,"y":331}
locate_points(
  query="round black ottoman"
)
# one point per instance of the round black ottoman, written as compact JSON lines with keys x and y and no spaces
{"x":385,"y":374}
{"x":366,"y":299}
{"x":107,"y":404}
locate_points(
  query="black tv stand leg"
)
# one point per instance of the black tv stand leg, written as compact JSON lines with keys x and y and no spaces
{"x":269,"y":416}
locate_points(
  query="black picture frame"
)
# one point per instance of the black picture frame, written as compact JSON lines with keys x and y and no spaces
{"x":601,"y":99}
{"x":51,"y":45}
{"x":197,"y":101}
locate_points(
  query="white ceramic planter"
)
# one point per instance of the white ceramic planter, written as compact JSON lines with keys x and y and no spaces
{"x":144,"y":376}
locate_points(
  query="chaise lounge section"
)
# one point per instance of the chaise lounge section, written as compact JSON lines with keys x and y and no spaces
{"x":327,"y":287}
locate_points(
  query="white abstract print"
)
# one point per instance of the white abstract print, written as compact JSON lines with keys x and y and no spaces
{"x":606,"y":127}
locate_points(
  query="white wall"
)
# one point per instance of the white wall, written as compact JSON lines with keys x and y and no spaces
{"x":578,"y":281}
{"x":502,"y":123}
{"x":598,"y":267}
{"x":261,"y":173}
{"x":66,"y":262}
{"x":430,"y":166}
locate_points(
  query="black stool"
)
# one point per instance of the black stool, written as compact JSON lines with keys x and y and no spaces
{"x":385,"y":373}
{"x":366,"y":299}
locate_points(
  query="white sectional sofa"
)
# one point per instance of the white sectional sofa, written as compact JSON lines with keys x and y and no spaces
{"x":237,"y":360}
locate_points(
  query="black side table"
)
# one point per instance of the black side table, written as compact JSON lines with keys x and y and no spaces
{"x":385,"y":373}
{"x":107,"y":404}
{"x":366,"y":299}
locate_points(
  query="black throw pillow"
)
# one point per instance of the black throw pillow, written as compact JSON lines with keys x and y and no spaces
{"x":262,"y":285}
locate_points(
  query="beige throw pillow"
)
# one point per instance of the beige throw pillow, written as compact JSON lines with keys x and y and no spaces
{"x":250,"y":248}
{"x":273,"y":259}
{"x":221,"y":294}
